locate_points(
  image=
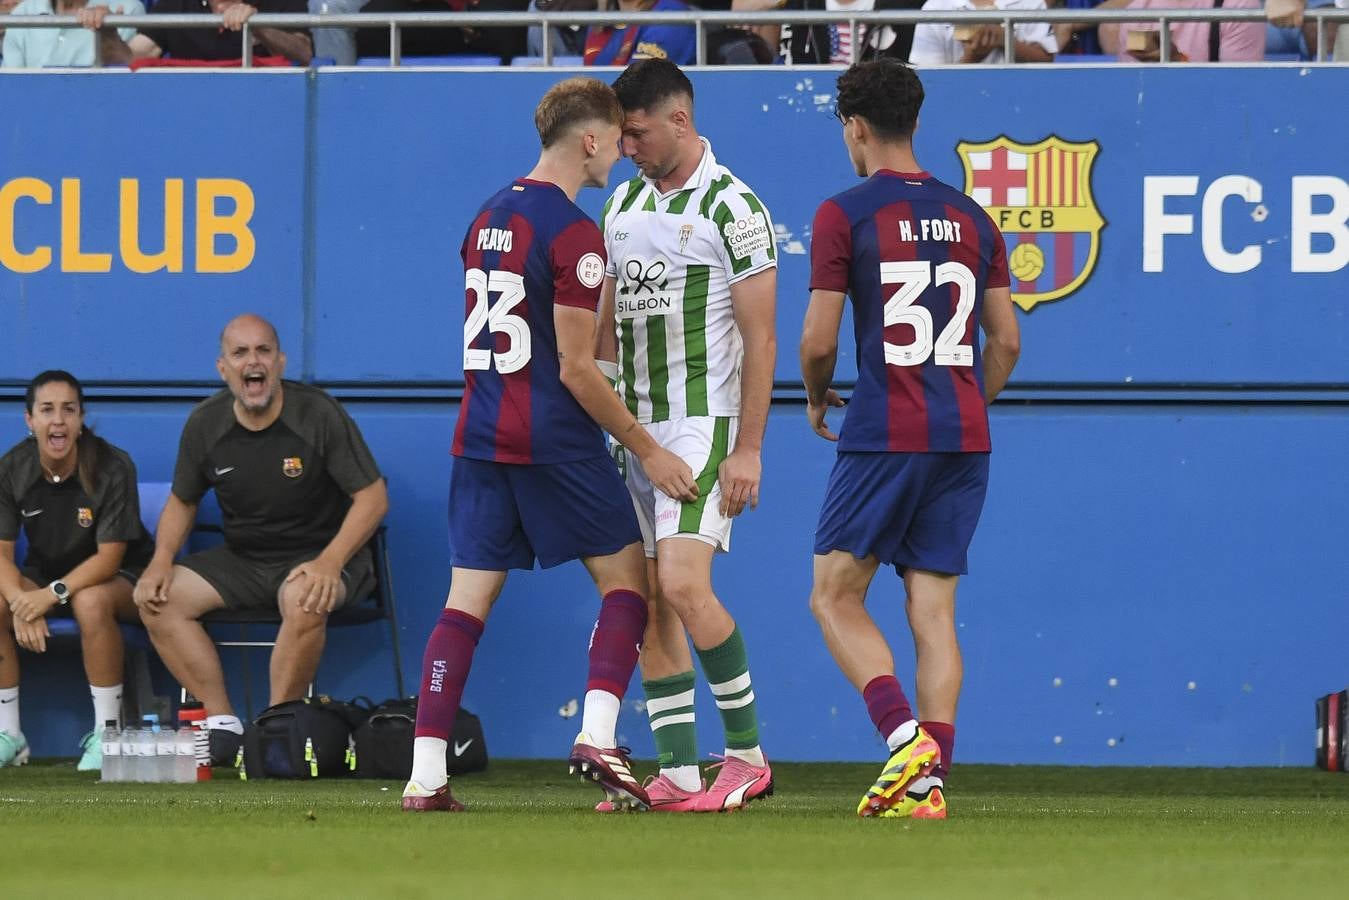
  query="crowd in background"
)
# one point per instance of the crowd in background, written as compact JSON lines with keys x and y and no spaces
{"x":1284,"y":37}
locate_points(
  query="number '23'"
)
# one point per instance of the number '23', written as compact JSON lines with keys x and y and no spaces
{"x":498,"y":319}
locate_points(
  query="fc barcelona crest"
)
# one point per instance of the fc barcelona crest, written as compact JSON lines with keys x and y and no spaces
{"x":292,"y":467}
{"x":85,"y":516}
{"x":1039,"y":195}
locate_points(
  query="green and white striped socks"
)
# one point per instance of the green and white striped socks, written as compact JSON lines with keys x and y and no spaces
{"x":669,"y":705}
{"x":727,"y":669}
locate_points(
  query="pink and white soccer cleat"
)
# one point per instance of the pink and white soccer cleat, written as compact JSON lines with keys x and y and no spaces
{"x":737,"y":784}
{"x":664,"y":794}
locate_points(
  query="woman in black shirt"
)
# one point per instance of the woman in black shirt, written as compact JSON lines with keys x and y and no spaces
{"x":74,"y":497}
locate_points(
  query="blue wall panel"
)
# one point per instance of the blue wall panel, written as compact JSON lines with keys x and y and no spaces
{"x":98,"y":130}
{"x":1189,"y":552}
{"x":1155,"y":546}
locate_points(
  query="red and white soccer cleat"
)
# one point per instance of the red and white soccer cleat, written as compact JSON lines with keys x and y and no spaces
{"x":736,"y":784}
{"x":418,"y":799}
{"x":611,"y":769}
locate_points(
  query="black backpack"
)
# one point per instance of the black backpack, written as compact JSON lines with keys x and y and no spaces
{"x":308,"y":738}
{"x":383,"y":742}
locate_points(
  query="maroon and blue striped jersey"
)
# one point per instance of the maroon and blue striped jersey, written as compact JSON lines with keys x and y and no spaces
{"x":915,"y":256}
{"x":529,"y":248}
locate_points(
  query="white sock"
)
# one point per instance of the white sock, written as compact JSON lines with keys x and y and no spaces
{"x":752,"y":755}
{"x":229,"y":723}
{"x":687,"y":778}
{"x":600,"y":718}
{"x":428,"y":762}
{"x":9,"y":710}
{"x":927,"y":781}
{"x":107,"y":705}
{"x":902,"y":735}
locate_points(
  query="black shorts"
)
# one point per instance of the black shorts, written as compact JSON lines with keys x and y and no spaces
{"x":245,"y":583}
{"x":131,"y":574}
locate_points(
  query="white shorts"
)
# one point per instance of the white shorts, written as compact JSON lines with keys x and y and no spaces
{"x":702,"y":442}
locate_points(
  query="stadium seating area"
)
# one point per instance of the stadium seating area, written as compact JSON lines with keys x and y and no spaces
{"x":1076,"y":47}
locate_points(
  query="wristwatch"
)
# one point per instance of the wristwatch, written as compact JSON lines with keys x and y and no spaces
{"x":61,"y":591}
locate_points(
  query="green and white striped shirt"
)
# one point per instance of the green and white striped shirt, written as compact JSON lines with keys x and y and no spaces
{"x":675,"y":257}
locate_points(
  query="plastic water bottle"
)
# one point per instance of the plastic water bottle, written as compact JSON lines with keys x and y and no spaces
{"x":111,"y":740}
{"x":166,"y":755}
{"x":193,"y":715}
{"x":130,"y":770}
{"x":146,"y":764}
{"x":185,"y":756}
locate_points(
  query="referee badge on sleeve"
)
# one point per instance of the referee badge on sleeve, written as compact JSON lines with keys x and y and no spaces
{"x":292,"y":467}
{"x":85,"y":516}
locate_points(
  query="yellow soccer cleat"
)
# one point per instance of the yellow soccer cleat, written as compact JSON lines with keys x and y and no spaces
{"x":914,"y":759}
{"x":924,"y":799}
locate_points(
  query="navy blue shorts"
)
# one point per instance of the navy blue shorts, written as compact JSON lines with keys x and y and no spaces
{"x":504,"y":516}
{"x":909,"y":510}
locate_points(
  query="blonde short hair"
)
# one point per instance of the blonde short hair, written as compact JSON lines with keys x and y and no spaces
{"x":573,"y":102}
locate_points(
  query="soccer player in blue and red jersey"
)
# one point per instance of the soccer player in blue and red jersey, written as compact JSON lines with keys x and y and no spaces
{"x":925,"y":267}
{"x":532,"y":476}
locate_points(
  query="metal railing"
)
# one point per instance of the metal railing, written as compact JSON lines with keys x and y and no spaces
{"x":698,"y":19}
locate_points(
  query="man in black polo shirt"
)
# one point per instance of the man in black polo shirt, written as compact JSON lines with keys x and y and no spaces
{"x":221,"y":43}
{"x":300,"y":496}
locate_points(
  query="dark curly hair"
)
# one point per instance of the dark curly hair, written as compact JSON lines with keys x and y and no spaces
{"x":885,"y":92}
{"x":648,"y":83}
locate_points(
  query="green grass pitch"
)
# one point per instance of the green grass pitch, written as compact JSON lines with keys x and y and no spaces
{"x":1014,"y":832}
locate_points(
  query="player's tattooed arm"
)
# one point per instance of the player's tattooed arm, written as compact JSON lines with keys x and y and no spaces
{"x":819,"y":353}
{"x":1002,"y":345}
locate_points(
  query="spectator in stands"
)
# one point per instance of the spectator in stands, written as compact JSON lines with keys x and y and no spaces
{"x":1289,"y":14}
{"x":336,"y":44}
{"x":936,"y":45}
{"x":568,"y":40}
{"x":40,"y":48}
{"x":1342,"y":36}
{"x":300,"y":497}
{"x":74,"y":497}
{"x":832,"y":44}
{"x":214,"y":44}
{"x":1332,"y":29}
{"x":6,"y":6}
{"x":452,"y":40}
{"x":1191,"y":41}
{"x":1080,"y":38}
{"x":620,"y":45}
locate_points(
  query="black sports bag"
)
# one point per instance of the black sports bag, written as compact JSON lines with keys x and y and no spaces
{"x":308,"y":738}
{"x":384,"y":742}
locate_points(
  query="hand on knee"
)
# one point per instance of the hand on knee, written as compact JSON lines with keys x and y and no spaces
{"x":293,"y":614}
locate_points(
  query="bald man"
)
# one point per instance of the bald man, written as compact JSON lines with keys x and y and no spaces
{"x":300,"y":496}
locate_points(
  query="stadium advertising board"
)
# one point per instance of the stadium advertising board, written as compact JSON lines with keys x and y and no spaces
{"x":1152,"y":225}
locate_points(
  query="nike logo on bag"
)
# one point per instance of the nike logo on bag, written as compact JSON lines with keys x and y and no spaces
{"x":10,"y":700}
{"x":460,"y":748}
{"x":224,"y":471}
{"x":29,"y":515}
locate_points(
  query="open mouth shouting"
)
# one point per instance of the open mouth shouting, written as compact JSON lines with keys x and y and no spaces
{"x":58,"y":441}
{"x":257,"y":387}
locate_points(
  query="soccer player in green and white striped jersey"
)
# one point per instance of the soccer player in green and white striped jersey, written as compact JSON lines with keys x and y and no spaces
{"x":692,"y":283}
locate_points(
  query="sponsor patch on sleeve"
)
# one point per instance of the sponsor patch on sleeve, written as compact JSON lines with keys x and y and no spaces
{"x":590,"y":270}
{"x":748,"y":235}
